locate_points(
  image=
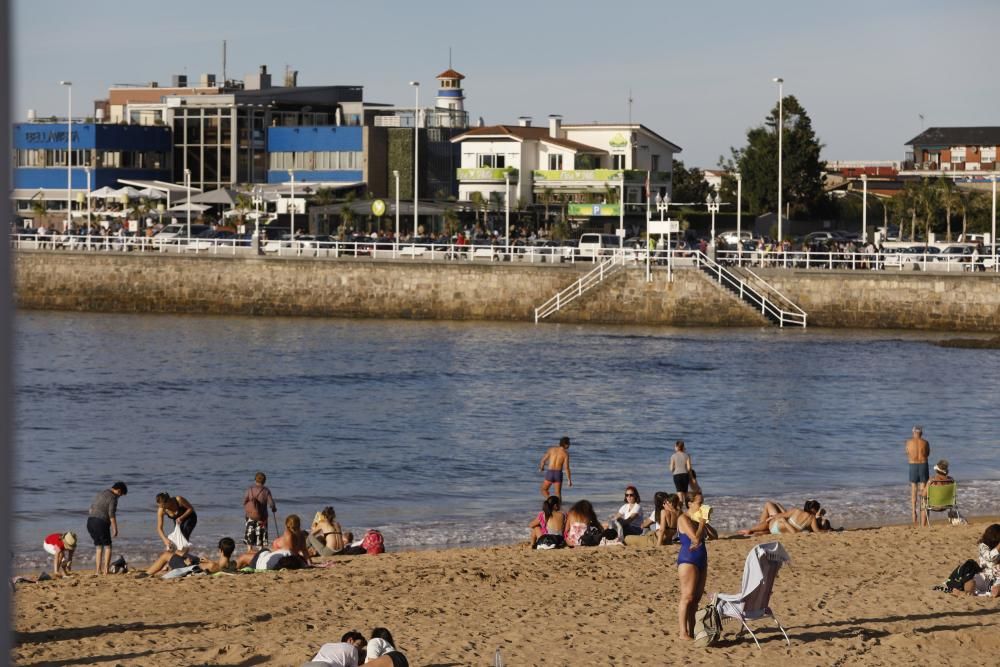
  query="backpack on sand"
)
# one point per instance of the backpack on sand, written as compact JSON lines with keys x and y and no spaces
{"x":707,"y":626}
{"x":373,"y":543}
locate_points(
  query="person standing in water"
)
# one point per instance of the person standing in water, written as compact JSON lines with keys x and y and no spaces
{"x":556,"y":458}
{"x":917,"y":452}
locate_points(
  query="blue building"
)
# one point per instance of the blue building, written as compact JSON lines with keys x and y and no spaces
{"x":109,"y":152}
{"x":316,"y":153}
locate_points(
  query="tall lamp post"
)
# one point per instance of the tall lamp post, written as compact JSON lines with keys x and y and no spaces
{"x":395,"y":245}
{"x":258,"y":199}
{"x":713,"y":202}
{"x":739,"y":218}
{"x":87,"y":171}
{"x":69,"y":152}
{"x":187,"y":188}
{"x":993,"y":233}
{"x":291,"y":224}
{"x":416,"y":151}
{"x":506,"y":212}
{"x":621,"y":216}
{"x":780,"y":129}
{"x":864,"y":207}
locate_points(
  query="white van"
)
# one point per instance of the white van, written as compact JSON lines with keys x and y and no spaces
{"x":593,"y":246}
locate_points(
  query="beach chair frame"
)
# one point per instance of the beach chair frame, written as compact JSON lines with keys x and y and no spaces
{"x":940,"y":498}
{"x":753,"y":601}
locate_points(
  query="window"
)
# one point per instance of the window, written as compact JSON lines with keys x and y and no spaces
{"x":958,"y":154}
{"x":654,"y":164}
{"x":988,"y":154}
{"x":617,"y":161}
{"x":492,"y":162}
{"x":555,"y":161}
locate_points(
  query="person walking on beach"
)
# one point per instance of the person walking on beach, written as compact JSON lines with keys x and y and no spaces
{"x":680,"y":468}
{"x":102,"y":524}
{"x":255,"y":503}
{"x":917,"y":452}
{"x":556,"y":458}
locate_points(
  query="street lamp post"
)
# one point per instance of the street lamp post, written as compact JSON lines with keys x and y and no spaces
{"x":291,"y":224}
{"x":713,"y":202}
{"x":739,"y":218}
{"x":416,"y":151}
{"x":864,"y":207}
{"x":506,"y":212}
{"x":780,"y":129}
{"x":395,"y":245}
{"x":187,"y":188}
{"x":86,"y":170}
{"x":621,"y":216}
{"x":69,"y":152}
{"x":257,"y":200}
{"x":993,"y":233}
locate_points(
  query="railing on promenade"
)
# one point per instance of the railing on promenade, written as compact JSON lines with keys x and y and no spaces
{"x":757,"y":292}
{"x":548,"y":253}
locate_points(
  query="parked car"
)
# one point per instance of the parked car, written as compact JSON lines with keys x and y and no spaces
{"x":592,"y":246}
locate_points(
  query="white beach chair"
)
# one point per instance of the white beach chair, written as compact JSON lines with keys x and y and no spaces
{"x":752,"y":602}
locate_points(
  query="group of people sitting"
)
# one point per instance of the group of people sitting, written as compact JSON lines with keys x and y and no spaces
{"x":353,"y":650}
{"x":293,"y":549}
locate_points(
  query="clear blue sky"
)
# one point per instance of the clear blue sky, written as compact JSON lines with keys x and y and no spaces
{"x":700,"y":73}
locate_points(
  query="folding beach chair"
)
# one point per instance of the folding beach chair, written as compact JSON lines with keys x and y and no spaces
{"x":751,"y":603}
{"x":941,"y":498}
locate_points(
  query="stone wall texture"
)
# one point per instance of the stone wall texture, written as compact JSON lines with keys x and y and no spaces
{"x":146,"y":283}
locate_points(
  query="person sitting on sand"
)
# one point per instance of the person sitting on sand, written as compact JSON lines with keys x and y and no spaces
{"x":344,"y":653}
{"x":61,"y":547}
{"x":698,"y":510}
{"x":293,"y":540}
{"x":793,"y":521}
{"x":628,"y":519}
{"x":580,"y":517}
{"x":652,"y":522}
{"x":988,"y":578}
{"x":172,"y":560}
{"x":693,"y":485}
{"x":325,"y":536}
{"x":382,"y":651}
{"x":225,"y":562}
{"x":550,"y":521}
{"x":661,"y":523}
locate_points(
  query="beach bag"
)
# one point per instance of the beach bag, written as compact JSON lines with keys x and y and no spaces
{"x":550,"y":541}
{"x":592,"y":536}
{"x":118,"y":567}
{"x":177,"y":538}
{"x":373,"y":543}
{"x":961,"y":575}
{"x":707,"y":626}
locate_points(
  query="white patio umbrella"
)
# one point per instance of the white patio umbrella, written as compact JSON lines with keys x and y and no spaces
{"x":150,"y":193}
{"x":128,"y":191}
{"x":103,"y":193}
{"x":186,"y":206}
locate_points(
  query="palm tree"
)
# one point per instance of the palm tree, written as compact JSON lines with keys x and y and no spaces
{"x":966,"y":202}
{"x":930,"y":200}
{"x":948,"y":199}
{"x":909,"y":202}
{"x":477,"y":203}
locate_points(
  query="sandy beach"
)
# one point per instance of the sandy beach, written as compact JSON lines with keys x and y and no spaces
{"x":854,"y":597}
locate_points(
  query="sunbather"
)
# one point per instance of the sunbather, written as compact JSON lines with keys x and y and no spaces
{"x":326,"y":537}
{"x":550,"y":521}
{"x":293,"y":540}
{"x":382,"y":651}
{"x":792,"y":521}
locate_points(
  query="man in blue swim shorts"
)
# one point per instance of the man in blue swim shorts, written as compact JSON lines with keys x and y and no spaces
{"x":556,"y":458}
{"x":917,"y":452}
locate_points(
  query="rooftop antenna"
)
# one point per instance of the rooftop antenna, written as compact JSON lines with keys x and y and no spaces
{"x":631,"y":137}
{"x":921,"y":117}
{"x":223,"y":62}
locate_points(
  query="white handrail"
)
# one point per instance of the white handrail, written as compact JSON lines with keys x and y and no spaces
{"x":576,"y":290}
{"x":775,"y":290}
{"x":748,"y":294}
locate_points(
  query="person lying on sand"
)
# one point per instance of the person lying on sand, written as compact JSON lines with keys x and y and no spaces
{"x":345,"y":653}
{"x":271,"y":560}
{"x":382,"y":651}
{"x":775,"y":520}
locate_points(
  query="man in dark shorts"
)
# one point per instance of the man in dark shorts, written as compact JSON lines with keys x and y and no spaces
{"x":556,"y":458}
{"x":102,"y":524}
{"x":917,"y":452}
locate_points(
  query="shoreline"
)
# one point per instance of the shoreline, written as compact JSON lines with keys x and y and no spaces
{"x":847,"y":597}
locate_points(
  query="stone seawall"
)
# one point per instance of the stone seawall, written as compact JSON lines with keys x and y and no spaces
{"x":146,"y":283}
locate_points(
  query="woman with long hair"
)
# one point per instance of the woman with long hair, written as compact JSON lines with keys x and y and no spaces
{"x":628,"y":519}
{"x":293,"y":540}
{"x":580,"y":517}
{"x":325,"y":536}
{"x":550,"y":521}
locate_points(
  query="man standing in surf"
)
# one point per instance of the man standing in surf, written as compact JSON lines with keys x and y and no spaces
{"x":556,"y":458}
{"x":917,"y":451}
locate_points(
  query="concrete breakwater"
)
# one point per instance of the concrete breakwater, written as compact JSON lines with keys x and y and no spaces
{"x":165,"y":283}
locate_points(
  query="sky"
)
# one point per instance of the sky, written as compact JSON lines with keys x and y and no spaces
{"x":699,"y":74}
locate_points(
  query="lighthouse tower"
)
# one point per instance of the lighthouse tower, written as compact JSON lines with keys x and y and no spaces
{"x":450,"y":94}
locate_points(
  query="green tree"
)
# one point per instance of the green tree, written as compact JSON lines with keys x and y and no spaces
{"x":689,"y":184}
{"x":802,"y":180}
{"x":929,"y":197}
{"x":949,"y":199}
{"x":477,"y":203}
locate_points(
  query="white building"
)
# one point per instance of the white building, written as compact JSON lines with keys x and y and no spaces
{"x":585,"y":166}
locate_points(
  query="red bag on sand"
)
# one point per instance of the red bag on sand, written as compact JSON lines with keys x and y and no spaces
{"x":373,"y":543}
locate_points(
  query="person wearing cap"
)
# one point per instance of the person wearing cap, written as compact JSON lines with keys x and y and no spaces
{"x":102,"y":524}
{"x":61,"y":546}
{"x":917,"y":452}
{"x":940,"y":477}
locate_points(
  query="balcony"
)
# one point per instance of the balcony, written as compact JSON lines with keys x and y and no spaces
{"x":486,"y":175}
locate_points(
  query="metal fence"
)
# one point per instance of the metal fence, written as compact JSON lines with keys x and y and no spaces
{"x":531,"y":253}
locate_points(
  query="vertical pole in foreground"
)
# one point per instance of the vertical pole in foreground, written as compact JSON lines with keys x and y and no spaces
{"x":416,"y":154}
{"x":739,"y":219}
{"x":864,"y":208}
{"x":69,"y":153}
{"x":395,"y":245}
{"x":780,"y":128}
{"x":993,"y":233}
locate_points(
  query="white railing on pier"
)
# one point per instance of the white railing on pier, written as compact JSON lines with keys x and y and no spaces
{"x":604,"y":269}
{"x":772,"y":306}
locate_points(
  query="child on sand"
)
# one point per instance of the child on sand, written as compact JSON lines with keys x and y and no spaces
{"x":61,"y":547}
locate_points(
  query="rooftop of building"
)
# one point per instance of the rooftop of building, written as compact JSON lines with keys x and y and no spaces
{"x":957,"y":136}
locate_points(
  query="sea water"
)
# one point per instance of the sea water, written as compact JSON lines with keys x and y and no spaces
{"x":432,"y":431}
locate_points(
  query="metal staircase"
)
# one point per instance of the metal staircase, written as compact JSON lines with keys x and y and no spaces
{"x":755,"y":291}
{"x":587,"y":281}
